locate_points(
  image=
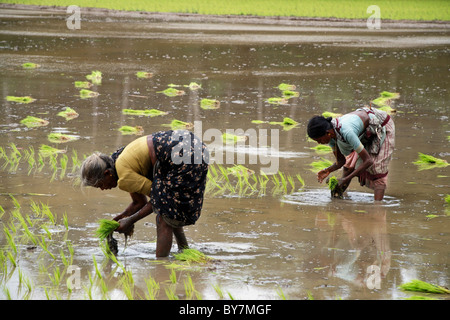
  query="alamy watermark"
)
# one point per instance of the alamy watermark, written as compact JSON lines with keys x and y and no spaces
{"x":73,"y":22}
{"x":374,"y":21}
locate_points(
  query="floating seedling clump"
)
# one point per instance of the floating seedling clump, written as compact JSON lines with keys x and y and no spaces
{"x":172,"y":92}
{"x":285,"y":86}
{"x":95,"y":77}
{"x":32,"y":122}
{"x":127,"y":130}
{"x":144,"y":75}
{"x":277,"y":100}
{"x":287,"y":123}
{"x":230,"y":138}
{"x":422,"y":286}
{"x":329,"y":114}
{"x":193,"y":86}
{"x":209,"y":104}
{"x":178,"y":124}
{"x":56,"y":137}
{"x":26,"y":99}
{"x":83,"y":84}
{"x":149,"y":112}
{"x":425,"y":162}
{"x":192,"y":256}
{"x":86,"y":94}
{"x":30,"y":65}
{"x":68,"y":114}
{"x":384,"y":101}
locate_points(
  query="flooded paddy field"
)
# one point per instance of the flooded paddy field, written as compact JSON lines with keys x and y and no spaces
{"x":287,"y":240}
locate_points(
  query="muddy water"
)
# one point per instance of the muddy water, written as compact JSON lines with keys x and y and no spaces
{"x":301,"y":243}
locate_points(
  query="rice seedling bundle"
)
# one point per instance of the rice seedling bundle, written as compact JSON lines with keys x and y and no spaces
{"x":447,"y":198}
{"x":126,"y":130}
{"x":285,"y":86}
{"x":422,"y":286}
{"x":329,"y":114}
{"x":45,"y":150}
{"x":230,"y":138}
{"x":290,"y":94}
{"x":178,"y":124}
{"x":209,"y":104}
{"x":287,"y":123}
{"x":277,"y":100}
{"x":86,"y":94}
{"x":192,"y":256}
{"x":95,"y":77}
{"x":26,"y":99}
{"x":193,"y":86}
{"x":83,"y":84}
{"x":144,"y":75}
{"x":172,"y":92}
{"x":106,"y":227}
{"x":320,"y":165}
{"x":385,"y":100}
{"x":333,"y":183}
{"x":322,"y":149}
{"x":60,"y":137}
{"x":147,"y":112}
{"x":30,"y":65}
{"x":425,"y":162}
{"x":32,"y":122}
{"x":68,"y":114}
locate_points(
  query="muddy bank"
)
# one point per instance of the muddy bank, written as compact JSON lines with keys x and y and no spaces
{"x":233,"y":19}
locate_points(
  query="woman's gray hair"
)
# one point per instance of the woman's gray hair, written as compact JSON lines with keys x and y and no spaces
{"x":93,"y":168}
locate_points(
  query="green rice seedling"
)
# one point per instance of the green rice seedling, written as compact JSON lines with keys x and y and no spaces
{"x":63,"y":163}
{"x":56,"y":137}
{"x":30,"y":65}
{"x":385,"y":99}
{"x":425,"y":162}
{"x":281,"y":294}
{"x":420,"y":298}
{"x":217,"y":288}
{"x":106,"y":227}
{"x":10,"y":239}
{"x":190,"y":290}
{"x":287,"y":123}
{"x":192,"y":256}
{"x":209,"y":104}
{"x":178,"y":124}
{"x":320,"y":165}
{"x":329,"y":114}
{"x":83,"y":84}
{"x":68,"y":114}
{"x":390,"y":95}
{"x":173,"y":276}
{"x":144,"y":75}
{"x":172,"y":92}
{"x":170,"y":293}
{"x":152,"y":288}
{"x":127,"y":130}
{"x":32,"y":122}
{"x":44,"y":246}
{"x":259,"y":121}
{"x":422,"y":286}
{"x":95,"y":77}
{"x":26,"y":99}
{"x":150,"y":112}
{"x":333,"y":183}
{"x":86,"y":94}
{"x":447,"y":199}
{"x":277,"y":101}
{"x":230,"y":138}
{"x":285,"y":86}
{"x":193,"y":86}
{"x":46,"y":212}
{"x":322,"y":149}
{"x":388,"y":109}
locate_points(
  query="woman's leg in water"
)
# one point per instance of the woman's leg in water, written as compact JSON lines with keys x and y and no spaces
{"x":163,"y":237}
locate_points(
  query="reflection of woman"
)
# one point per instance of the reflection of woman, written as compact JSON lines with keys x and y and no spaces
{"x":170,"y":167}
{"x":363,"y":143}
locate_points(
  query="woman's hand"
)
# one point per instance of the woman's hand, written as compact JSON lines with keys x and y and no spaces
{"x":322,"y":174}
{"x":126,"y":226}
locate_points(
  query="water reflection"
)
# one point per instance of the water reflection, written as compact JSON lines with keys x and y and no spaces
{"x":355,"y":247}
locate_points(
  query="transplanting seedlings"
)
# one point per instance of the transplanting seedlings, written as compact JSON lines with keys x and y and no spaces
{"x":172,"y":92}
{"x":144,"y":75}
{"x":106,"y":227}
{"x":32,"y":122}
{"x":30,"y":65}
{"x":148,"y":112}
{"x":126,"y":130}
{"x":209,"y":104}
{"x":426,"y":161}
{"x":26,"y":99}
{"x":95,"y":77}
{"x":333,"y":184}
{"x":85,"y":94}
{"x":68,"y":114}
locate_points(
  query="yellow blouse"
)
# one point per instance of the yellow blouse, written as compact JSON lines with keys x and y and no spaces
{"x":133,"y":166}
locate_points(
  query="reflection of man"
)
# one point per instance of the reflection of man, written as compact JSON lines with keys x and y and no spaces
{"x":358,"y":246}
